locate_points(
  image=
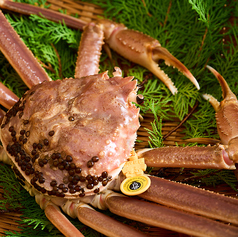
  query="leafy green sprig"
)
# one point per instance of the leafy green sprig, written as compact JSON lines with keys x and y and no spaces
{"x":212,"y":178}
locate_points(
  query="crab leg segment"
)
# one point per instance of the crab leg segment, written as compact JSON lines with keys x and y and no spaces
{"x":97,"y":220}
{"x":105,"y":224}
{"x":226,"y":116}
{"x":91,"y":41}
{"x":4,"y":157}
{"x":20,"y":57}
{"x":28,"y":9}
{"x":2,"y":114}
{"x":164,"y":217}
{"x":54,"y":214}
{"x":192,"y":199}
{"x":56,"y":217}
{"x":7,"y":97}
{"x":213,"y":157}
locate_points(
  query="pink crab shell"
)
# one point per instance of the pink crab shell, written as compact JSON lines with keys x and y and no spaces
{"x":86,"y":119}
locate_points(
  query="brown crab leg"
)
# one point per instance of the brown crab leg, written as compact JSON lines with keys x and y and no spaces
{"x":4,"y":157}
{"x":28,"y":9}
{"x":226,"y":116}
{"x":192,"y":199}
{"x":7,"y":97}
{"x":88,"y":216}
{"x":213,"y":157}
{"x":2,"y":114}
{"x":56,"y":217}
{"x":105,"y":224}
{"x":161,"y":216}
{"x":19,"y":56}
{"x":91,"y":41}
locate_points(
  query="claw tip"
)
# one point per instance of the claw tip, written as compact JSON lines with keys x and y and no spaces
{"x":192,"y":79}
{"x":196,"y":83}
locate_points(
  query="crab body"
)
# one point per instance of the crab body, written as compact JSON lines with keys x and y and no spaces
{"x":70,"y":129}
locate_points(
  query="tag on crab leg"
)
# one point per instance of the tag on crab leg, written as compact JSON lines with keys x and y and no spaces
{"x":136,"y":182}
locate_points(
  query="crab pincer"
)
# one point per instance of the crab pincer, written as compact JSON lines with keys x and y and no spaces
{"x":226,"y":117}
{"x":143,"y":50}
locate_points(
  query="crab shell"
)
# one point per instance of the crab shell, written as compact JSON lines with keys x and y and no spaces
{"x":70,"y":137}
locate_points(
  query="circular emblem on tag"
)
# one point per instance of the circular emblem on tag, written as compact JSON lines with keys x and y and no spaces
{"x":135,"y":185}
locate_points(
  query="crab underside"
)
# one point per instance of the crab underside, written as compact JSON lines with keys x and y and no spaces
{"x":68,"y":140}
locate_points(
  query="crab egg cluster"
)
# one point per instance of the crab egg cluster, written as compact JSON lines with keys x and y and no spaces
{"x":26,"y":162}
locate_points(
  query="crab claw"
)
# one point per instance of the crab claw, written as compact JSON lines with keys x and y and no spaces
{"x":226,"y":116}
{"x":159,"y":53}
{"x":143,"y":50}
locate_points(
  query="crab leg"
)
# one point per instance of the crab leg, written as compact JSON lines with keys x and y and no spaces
{"x":56,"y":217}
{"x":28,"y":9}
{"x":105,"y":224}
{"x":99,"y":221}
{"x":20,"y":57}
{"x":192,"y":199}
{"x":7,"y":97}
{"x":87,"y":215}
{"x":2,"y":114}
{"x":213,"y":157}
{"x":160,"y":216}
{"x":133,"y":45}
{"x":226,"y":116}
{"x":4,"y":157}
{"x":91,"y":41}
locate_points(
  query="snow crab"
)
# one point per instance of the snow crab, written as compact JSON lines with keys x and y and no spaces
{"x":68,"y":140}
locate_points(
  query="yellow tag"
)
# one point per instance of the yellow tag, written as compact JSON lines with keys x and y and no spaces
{"x":135,"y":185}
{"x":134,"y":166}
{"x":136,"y":182}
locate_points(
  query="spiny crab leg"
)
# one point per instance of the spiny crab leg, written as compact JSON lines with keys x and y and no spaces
{"x":2,"y":114}
{"x":161,"y":216}
{"x":226,"y":116}
{"x":105,"y":224}
{"x":192,"y":199}
{"x":213,"y":157}
{"x":7,"y":97}
{"x":11,"y":42}
{"x":133,"y":45}
{"x":222,"y":208}
{"x":54,"y":214}
{"x":20,"y":57}
{"x":91,"y":41}
{"x":28,"y":9}
{"x":87,"y":215}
